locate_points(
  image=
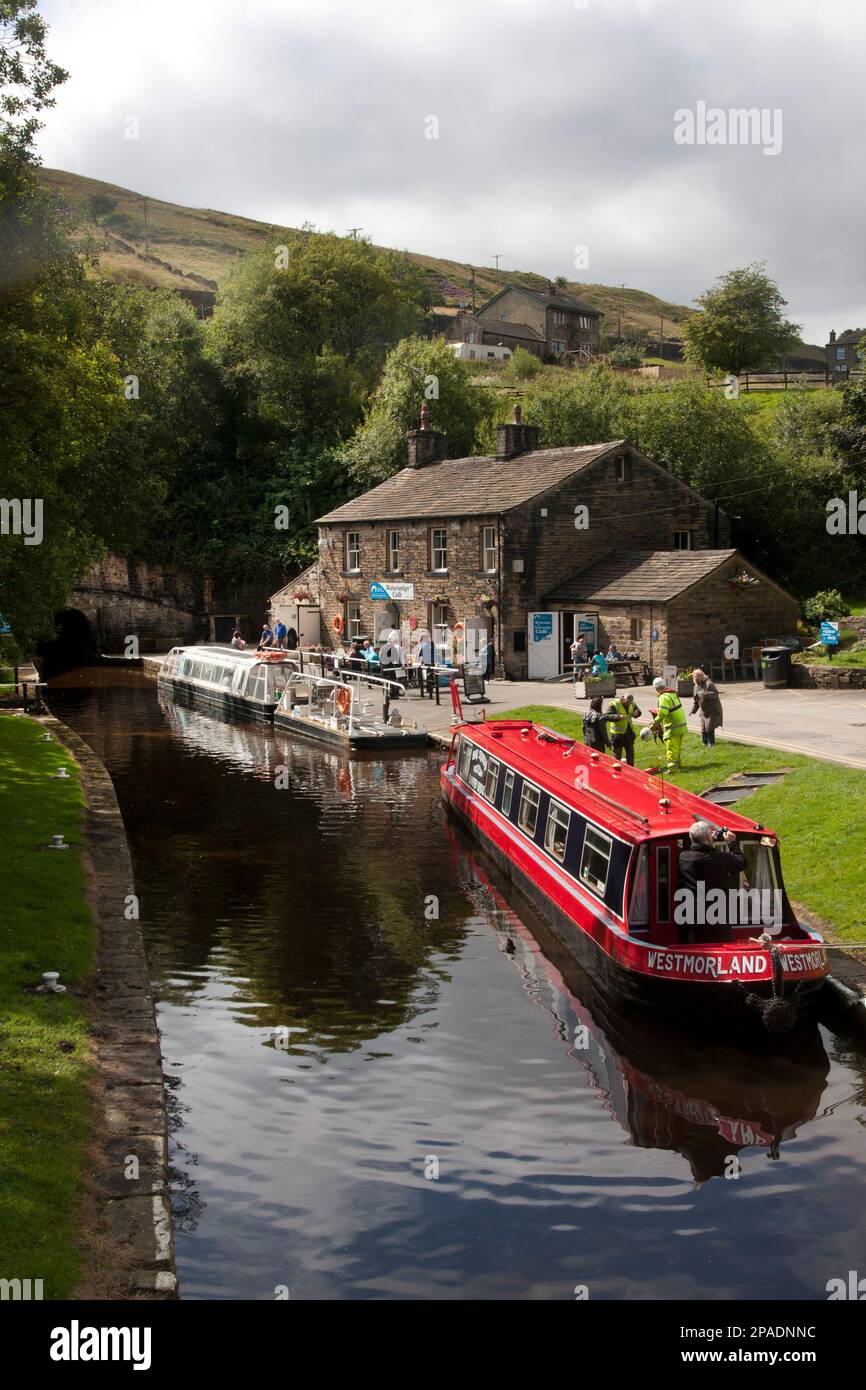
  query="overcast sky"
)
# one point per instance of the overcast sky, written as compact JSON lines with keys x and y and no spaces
{"x":555,"y":129}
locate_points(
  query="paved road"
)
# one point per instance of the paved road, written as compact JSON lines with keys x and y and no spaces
{"x":828,"y":724}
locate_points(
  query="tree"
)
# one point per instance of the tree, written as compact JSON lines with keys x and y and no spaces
{"x":27,"y":75}
{"x":418,"y":370}
{"x":741,"y":327}
{"x":627,"y":354}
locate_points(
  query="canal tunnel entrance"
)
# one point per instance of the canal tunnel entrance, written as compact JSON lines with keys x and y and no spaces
{"x":74,"y":644}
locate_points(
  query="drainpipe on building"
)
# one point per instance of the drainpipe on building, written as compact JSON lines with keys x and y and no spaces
{"x":498,"y":619}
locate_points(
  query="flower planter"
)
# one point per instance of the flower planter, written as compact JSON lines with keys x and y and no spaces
{"x":685,"y":687}
{"x":586,"y":690}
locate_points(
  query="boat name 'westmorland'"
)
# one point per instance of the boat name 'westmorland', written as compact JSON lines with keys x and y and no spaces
{"x":725,"y":967}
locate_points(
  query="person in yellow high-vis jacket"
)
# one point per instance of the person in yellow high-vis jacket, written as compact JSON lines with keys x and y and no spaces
{"x":621,"y":726}
{"x":672,"y":718}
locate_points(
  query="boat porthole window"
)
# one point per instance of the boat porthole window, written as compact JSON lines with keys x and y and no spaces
{"x":556,"y":831}
{"x":595,"y":859}
{"x":527,"y":817}
{"x":507,"y":792}
{"x":491,"y":781}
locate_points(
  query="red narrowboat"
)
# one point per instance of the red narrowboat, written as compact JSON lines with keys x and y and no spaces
{"x":595,"y":845}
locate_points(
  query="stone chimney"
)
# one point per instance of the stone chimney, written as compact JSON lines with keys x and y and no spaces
{"x":515,"y":438}
{"x":426,"y":445}
{"x":832,"y":335}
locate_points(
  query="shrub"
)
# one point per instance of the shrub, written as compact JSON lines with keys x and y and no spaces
{"x":627,"y":355}
{"x":827,"y":603}
{"x":522,"y":365}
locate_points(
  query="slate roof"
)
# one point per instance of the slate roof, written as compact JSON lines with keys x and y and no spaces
{"x":639,"y":576}
{"x":511,"y":330}
{"x":555,"y":301}
{"x":478,"y":486}
{"x":852,"y":336}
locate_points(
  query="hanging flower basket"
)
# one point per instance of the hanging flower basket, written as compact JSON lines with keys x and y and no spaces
{"x":344,"y":596}
{"x":490,"y":600}
{"x":302,"y":596}
{"x":742,"y":580}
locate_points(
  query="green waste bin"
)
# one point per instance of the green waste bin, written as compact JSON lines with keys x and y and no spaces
{"x":775,"y":667}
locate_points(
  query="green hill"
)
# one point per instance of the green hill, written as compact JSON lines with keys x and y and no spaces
{"x":150,"y":242}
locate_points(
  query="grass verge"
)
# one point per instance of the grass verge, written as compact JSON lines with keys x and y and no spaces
{"x":45,"y":924}
{"x":818,"y":811}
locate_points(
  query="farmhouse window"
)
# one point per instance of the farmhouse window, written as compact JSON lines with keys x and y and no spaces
{"x":353,"y":550}
{"x":438,"y":548}
{"x":488,"y":549}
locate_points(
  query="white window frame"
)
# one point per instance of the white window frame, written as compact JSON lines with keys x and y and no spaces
{"x":492,"y":774}
{"x":689,"y":535}
{"x":604,"y":848}
{"x":488,"y":549}
{"x":527,"y":792}
{"x":353,"y":550}
{"x":621,"y":463}
{"x":353,"y":623}
{"x":507,"y":792}
{"x":554,"y":811}
{"x":393,"y":551}
{"x":439,"y":550}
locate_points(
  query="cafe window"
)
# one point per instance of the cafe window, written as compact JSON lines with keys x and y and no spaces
{"x":595,"y":860}
{"x":393,"y":551}
{"x":353,"y":550}
{"x":636,"y":629}
{"x":683,"y":540}
{"x":438,"y":548}
{"x":488,"y":549}
{"x":353,"y":620}
{"x":491,"y":781}
{"x":621,"y":469}
{"x":556,"y":831}
{"x":439,"y":624}
{"x":528,"y":815}
{"x":507,"y":792}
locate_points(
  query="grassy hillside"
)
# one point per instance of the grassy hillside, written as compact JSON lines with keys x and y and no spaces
{"x":190,"y":249}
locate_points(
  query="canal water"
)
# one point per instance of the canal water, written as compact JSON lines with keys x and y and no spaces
{"x":387,"y":1082}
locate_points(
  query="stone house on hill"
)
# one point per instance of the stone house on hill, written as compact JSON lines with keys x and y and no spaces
{"x":565,"y":325}
{"x":527,"y":546}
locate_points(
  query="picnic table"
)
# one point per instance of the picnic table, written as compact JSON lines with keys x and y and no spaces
{"x":630,"y":670}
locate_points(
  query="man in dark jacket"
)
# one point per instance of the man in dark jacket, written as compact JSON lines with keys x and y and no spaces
{"x":703,"y":864}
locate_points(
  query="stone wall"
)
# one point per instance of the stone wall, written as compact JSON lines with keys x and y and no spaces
{"x":121,"y":597}
{"x":700,"y":619}
{"x":830,"y":677}
{"x":642,"y":514}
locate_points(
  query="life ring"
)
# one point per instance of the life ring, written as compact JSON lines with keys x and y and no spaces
{"x":343,"y":699}
{"x":337,"y":624}
{"x":459,"y":627}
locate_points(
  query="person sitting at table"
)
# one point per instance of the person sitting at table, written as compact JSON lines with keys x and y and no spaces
{"x":613,"y":654}
{"x":599,"y":665}
{"x":370,"y":655}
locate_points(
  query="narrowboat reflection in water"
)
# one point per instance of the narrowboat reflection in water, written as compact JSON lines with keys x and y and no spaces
{"x":706,"y":1102}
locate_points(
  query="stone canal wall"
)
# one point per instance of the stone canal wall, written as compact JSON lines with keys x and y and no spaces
{"x":829,"y":677}
{"x":128,"y":1159}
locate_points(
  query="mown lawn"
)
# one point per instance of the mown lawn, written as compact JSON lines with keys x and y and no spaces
{"x":44,"y":1054}
{"x":818,"y":811}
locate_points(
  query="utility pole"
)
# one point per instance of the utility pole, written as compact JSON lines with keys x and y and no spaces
{"x":497,"y":259}
{"x":472,"y":283}
{"x":619,"y":317}
{"x":353,"y":232}
{"x":661,"y":334}
{"x":145,"y":227}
